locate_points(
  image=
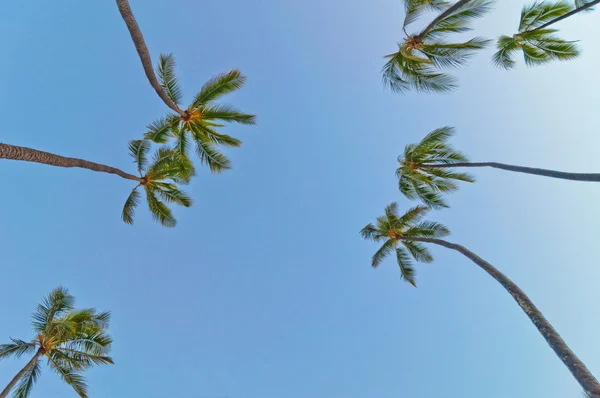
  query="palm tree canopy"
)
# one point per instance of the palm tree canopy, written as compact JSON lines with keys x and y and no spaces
{"x":429,"y":184}
{"x":421,"y":58}
{"x":392,"y":229}
{"x":539,"y":45}
{"x":72,"y":340}
{"x":160,"y":181}
{"x":203,"y":116}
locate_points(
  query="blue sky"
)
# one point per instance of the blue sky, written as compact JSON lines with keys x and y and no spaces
{"x":264,"y":289}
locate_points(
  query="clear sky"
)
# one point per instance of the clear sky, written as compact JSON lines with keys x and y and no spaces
{"x":265,"y":290}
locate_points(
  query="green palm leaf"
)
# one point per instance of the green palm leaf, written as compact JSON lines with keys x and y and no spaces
{"x":72,"y":378}
{"x":170,"y":194}
{"x":407,"y":270}
{"x":161,"y":130}
{"x":227,"y":113}
{"x":160,"y":212}
{"x":27,"y":381}
{"x":130,"y":204}
{"x":386,"y":249}
{"x":138,"y":150}
{"x":56,"y":303}
{"x":16,"y":348}
{"x":216,"y":161}
{"x":167,"y":78}
{"x":217,"y":138}
{"x":219,"y":86}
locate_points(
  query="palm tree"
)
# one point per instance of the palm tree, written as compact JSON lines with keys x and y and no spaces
{"x":159,"y":178}
{"x":144,"y":54}
{"x":202,"y":116}
{"x":72,"y":341}
{"x":420,"y":57}
{"x":409,"y":231}
{"x":426,"y":169}
{"x":538,"y":42}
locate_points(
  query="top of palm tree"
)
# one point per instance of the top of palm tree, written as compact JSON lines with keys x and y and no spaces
{"x":72,"y":340}
{"x":202,"y":117}
{"x":159,"y":179}
{"x":535,"y":39}
{"x":392,"y":229}
{"x":429,"y":184}
{"x":421,"y":57}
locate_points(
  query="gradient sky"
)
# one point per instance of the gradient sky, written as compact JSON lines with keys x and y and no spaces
{"x":265,"y":290}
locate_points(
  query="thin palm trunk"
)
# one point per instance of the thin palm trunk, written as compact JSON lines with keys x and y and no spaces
{"x":592,"y":177}
{"x":14,"y":152}
{"x":574,"y":364}
{"x":144,"y":54}
{"x":16,"y":379}
{"x":443,"y":15}
{"x":567,"y":15}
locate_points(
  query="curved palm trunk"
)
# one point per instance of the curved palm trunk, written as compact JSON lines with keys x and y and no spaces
{"x":14,"y":152}
{"x":591,"y":177}
{"x":443,"y":15}
{"x":567,"y":15}
{"x":142,"y":50}
{"x":16,"y":379}
{"x":577,"y":368}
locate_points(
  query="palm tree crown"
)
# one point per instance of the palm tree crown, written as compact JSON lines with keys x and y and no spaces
{"x":159,"y":179}
{"x":392,"y":229}
{"x":421,"y":56}
{"x":535,"y":39}
{"x":72,"y":340}
{"x":428,"y":184}
{"x":202,"y":116}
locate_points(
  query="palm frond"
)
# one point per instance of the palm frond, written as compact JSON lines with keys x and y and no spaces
{"x":415,"y":8}
{"x":215,"y":160}
{"x":387,"y":248}
{"x":72,"y":378}
{"x":503,"y":58}
{"x":370,"y":232}
{"x":130,"y":204}
{"x":219,"y":86}
{"x":407,"y":270}
{"x":402,"y":73}
{"x":138,"y":149}
{"x":170,"y":194}
{"x":57,"y":302}
{"x":428,"y":229}
{"x":16,"y":348}
{"x":540,"y":12}
{"x":27,"y":381}
{"x":452,"y":55}
{"x":227,"y":113}
{"x":168,"y":79}
{"x":413,"y":215}
{"x":418,"y":251}
{"x":459,"y":20}
{"x":161,"y":130}
{"x":181,"y":144}
{"x":215,"y":137}
{"x":160,"y":211}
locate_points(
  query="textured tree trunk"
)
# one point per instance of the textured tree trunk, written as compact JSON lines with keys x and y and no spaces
{"x":567,"y":15}
{"x":16,"y":379}
{"x":592,"y":177}
{"x":142,"y":50}
{"x":443,"y":15}
{"x":574,"y":364}
{"x":14,"y":152}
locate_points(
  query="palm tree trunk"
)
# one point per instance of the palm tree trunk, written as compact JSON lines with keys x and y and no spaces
{"x":591,"y":177}
{"x":567,"y":15}
{"x":15,"y":379}
{"x":142,"y":50}
{"x":14,"y":152}
{"x":443,"y":15}
{"x":574,"y":364}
